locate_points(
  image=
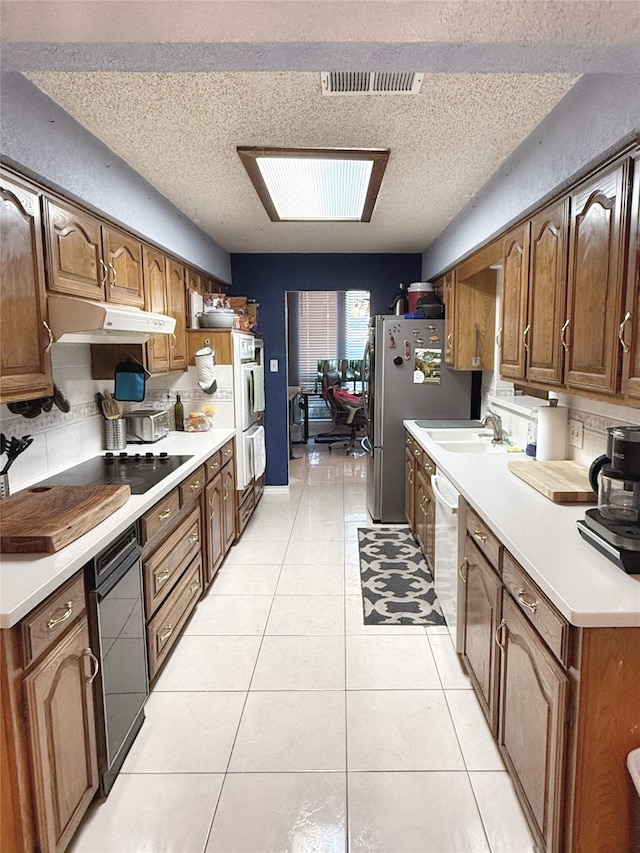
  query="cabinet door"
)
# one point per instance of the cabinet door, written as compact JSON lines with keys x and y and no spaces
{"x":480,"y":613}
{"x":215,"y":529}
{"x":155,"y":288}
{"x":548,"y":255}
{"x":74,"y":249}
{"x":409,"y":486}
{"x":123,"y":256}
{"x":514,"y":302}
{"x":629,"y":330}
{"x":425,"y":515}
{"x":229,"y":504}
{"x":25,"y":364}
{"x":448,"y":297}
{"x":177,"y":308}
{"x":60,"y":708}
{"x":596,"y":269}
{"x":532,"y":731}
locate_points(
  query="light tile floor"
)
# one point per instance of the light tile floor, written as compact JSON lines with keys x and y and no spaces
{"x":282,"y":723}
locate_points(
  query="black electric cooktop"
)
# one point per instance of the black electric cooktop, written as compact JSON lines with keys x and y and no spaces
{"x":140,"y":471}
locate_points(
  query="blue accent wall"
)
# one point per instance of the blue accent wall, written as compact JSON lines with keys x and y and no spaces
{"x":267,"y":278}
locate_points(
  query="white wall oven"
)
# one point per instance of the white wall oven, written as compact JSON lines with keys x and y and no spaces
{"x":248,"y":395}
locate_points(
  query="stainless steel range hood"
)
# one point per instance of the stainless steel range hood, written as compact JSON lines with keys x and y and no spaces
{"x":80,"y":321}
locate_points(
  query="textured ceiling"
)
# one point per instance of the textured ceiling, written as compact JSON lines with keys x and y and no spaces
{"x":180,"y":131}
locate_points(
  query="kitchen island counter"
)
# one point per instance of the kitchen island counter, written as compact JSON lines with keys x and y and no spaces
{"x":586,"y":587}
{"x":27,"y":579}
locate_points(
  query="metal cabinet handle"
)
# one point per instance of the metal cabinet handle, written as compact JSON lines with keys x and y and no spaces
{"x":410,"y":476}
{"x":193,"y":539}
{"x":409,"y":442}
{"x":530,"y":605}
{"x":228,"y":453}
{"x":625,"y":346}
{"x":417,"y":452}
{"x":106,"y":272}
{"x":162,"y":577}
{"x":168,"y":631}
{"x":499,"y":338}
{"x":163,"y":516}
{"x":195,"y":485}
{"x":226,"y":492}
{"x":214,"y":466}
{"x":50,"y":334}
{"x":525,"y":336}
{"x":429,"y":468}
{"x":480,"y":536}
{"x":563,"y":339}
{"x":95,"y":662}
{"x":194,"y":586}
{"x":503,"y":624}
{"x":174,"y":341}
{"x":450,"y":340}
{"x":114,"y":274}
{"x":56,"y":620}
{"x":463,"y":577}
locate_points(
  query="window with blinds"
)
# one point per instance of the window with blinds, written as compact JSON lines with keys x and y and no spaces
{"x":331,"y":324}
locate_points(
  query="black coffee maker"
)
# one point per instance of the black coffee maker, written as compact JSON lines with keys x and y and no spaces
{"x":614,"y":527}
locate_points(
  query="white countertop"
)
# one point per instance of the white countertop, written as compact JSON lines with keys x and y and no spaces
{"x":586,"y":587}
{"x":27,"y":579}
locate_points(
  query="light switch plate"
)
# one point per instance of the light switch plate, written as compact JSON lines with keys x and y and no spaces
{"x":273,"y":365}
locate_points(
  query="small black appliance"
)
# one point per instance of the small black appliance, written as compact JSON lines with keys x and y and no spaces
{"x":614,"y":527}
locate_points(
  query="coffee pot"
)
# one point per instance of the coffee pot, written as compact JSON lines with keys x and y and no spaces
{"x":616,"y":476}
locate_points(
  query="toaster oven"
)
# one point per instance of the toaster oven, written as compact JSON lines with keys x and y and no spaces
{"x":145,"y":426}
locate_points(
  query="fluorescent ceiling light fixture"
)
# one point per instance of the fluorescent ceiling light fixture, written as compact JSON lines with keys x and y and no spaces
{"x":316,"y":184}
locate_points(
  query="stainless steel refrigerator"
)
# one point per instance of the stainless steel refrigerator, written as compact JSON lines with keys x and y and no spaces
{"x":405,"y":377}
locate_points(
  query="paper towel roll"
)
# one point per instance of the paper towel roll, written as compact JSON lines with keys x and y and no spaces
{"x":552,"y":433}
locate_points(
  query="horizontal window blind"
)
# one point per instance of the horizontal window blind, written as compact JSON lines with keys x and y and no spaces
{"x":318,"y":322}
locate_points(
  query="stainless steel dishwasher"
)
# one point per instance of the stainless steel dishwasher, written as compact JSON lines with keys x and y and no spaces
{"x":446,"y":548}
{"x":116,"y":622}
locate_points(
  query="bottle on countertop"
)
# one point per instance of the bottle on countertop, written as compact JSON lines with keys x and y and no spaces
{"x":178,"y":414}
{"x":532,"y":434}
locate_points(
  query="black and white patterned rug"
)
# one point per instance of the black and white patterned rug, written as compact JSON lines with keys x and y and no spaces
{"x":397,"y":586}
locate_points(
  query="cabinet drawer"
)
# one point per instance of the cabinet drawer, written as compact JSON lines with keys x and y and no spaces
{"x":245,"y":511}
{"x":428,"y":465}
{"x":192,"y":486}
{"x":160,"y":516}
{"x":414,"y":447}
{"x":483,"y":538}
{"x":213,"y":465}
{"x":43,"y":626}
{"x":226,"y":453}
{"x":165,"y":627}
{"x":551,"y":625}
{"x":165,"y":565}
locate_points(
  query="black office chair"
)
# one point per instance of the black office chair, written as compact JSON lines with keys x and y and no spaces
{"x":345,"y":416}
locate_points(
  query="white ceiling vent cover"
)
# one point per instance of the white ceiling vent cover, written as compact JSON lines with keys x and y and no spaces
{"x":370,"y":82}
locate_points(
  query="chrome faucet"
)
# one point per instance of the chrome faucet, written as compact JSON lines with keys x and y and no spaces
{"x":495,"y":422}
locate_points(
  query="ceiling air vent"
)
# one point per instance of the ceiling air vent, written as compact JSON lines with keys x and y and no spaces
{"x":372,"y":83}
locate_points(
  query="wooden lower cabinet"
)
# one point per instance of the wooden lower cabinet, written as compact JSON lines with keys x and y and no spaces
{"x":562,"y":701}
{"x":425,"y":515}
{"x":49,"y":752}
{"x":219,"y":509}
{"x":409,"y":484}
{"x":480,"y":614}
{"x":534,"y":695}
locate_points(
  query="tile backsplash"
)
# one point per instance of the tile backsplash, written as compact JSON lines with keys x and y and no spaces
{"x":60,"y":439}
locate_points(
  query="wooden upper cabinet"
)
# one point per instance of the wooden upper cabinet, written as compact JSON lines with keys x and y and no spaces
{"x":448,"y":296}
{"x":596,"y":281}
{"x":548,"y":250}
{"x":514,"y":302}
{"x":176,"y":304}
{"x":155,"y":288}
{"x":629,"y":329}
{"x":74,"y":250}
{"x":25,"y":364}
{"x":194,"y":281}
{"x":123,"y":257}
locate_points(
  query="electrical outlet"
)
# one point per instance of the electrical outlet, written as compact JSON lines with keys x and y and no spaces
{"x":576,"y":433}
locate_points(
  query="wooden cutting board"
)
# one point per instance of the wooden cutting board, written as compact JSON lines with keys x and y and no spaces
{"x":562,"y":482}
{"x":44,"y":519}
